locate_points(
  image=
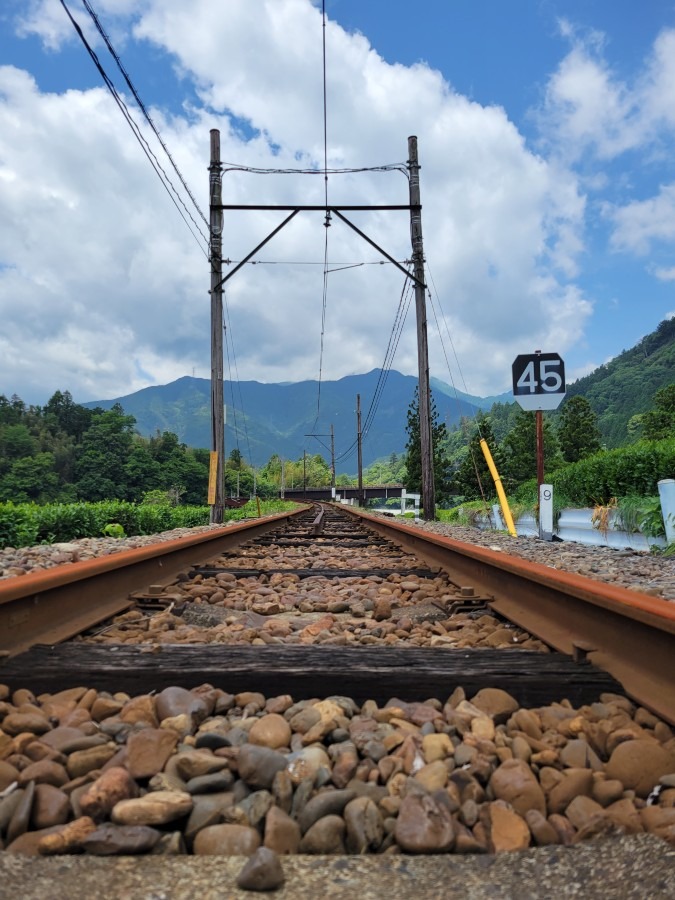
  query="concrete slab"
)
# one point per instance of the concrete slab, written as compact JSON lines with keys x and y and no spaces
{"x":630,"y":868}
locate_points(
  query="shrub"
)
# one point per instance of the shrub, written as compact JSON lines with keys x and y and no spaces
{"x":23,"y":524}
{"x":627,"y":471}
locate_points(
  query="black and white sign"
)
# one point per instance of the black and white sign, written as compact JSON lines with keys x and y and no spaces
{"x":539,"y":380}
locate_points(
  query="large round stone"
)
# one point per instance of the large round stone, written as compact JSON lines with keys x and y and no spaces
{"x":226,"y":840}
{"x":638,"y":765}
{"x":271,"y":731}
{"x":515,"y":783}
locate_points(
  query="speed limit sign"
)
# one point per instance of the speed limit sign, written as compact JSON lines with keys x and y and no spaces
{"x":539,"y":380}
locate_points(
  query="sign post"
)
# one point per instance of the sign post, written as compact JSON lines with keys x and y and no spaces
{"x":539,"y":384}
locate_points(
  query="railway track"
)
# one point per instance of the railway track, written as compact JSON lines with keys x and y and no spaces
{"x":368,"y":650}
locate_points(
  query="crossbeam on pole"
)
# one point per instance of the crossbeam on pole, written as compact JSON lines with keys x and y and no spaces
{"x":316,"y":208}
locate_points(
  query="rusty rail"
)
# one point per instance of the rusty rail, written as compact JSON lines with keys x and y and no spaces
{"x":53,"y":605}
{"x":626,"y":633}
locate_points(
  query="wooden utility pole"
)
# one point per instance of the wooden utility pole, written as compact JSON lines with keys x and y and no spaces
{"x":304,"y":474}
{"x":359,"y":447}
{"x":426,"y":449}
{"x":216,"y":259}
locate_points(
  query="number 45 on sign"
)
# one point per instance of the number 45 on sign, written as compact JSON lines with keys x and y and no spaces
{"x":539,"y":380}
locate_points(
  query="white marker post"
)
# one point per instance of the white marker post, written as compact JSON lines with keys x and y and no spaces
{"x":546,"y":512}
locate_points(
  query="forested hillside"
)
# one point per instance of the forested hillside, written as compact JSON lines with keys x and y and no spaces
{"x":268,"y":419}
{"x":65,"y":452}
{"x":625,"y":386}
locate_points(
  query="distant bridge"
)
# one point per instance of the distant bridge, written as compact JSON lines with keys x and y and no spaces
{"x":370,"y":492}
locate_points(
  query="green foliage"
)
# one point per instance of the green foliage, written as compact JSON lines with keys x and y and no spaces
{"x":520,"y":448}
{"x":157,"y":498}
{"x":114,"y":529}
{"x":18,"y":525}
{"x":23,"y":524}
{"x":413,"y":460}
{"x":632,"y":470}
{"x":624,"y":387}
{"x":578,"y":432}
{"x":651,"y":520}
{"x":472,"y":478}
{"x":64,"y":452}
{"x":467,"y":514}
{"x":659,"y":422}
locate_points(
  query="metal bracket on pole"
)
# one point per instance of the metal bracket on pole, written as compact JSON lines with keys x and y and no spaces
{"x":327,"y":209}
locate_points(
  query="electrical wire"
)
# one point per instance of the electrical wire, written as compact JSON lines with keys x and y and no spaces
{"x":141,"y":105}
{"x":152,"y":159}
{"x":392,"y":346}
{"x":236,"y":372}
{"x":476,"y":420}
{"x":291,"y":262}
{"x":324,"y":297}
{"x":452,"y":344}
{"x":253,"y":170}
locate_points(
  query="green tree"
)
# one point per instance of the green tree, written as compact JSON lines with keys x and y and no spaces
{"x":578,"y":431}
{"x":520,"y":448}
{"x":12,"y":410}
{"x":659,"y":422}
{"x":183,"y":473}
{"x":413,"y":460}
{"x":235,"y":460}
{"x":142,"y":473}
{"x":16,"y":441}
{"x":61,"y":413}
{"x":271,"y":471}
{"x":163,"y":445}
{"x":102,"y":456}
{"x":473,"y":480}
{"x":31,"y":478}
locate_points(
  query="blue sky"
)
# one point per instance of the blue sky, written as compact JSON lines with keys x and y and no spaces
{"x":548,"y":186}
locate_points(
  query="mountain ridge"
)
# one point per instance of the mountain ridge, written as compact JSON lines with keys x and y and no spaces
{"x":282,"y":418}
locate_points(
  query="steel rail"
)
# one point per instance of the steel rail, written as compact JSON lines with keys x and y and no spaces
{"x":629,"y":634}
{"x":53,"y":605}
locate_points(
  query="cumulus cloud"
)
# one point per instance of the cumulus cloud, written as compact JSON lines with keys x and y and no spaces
{"x":637,"y":225}
{"x":104,"y":290}
{"x":589,"y":108}
{"x":591,"y":114}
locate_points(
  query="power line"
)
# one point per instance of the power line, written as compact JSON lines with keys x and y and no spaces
{"x":253,"y":170}
{"x":392,"y":346}
{"x":324,"y":296}
{"x":152,"y":159}
{"x":292,"y":262}
{"x":236,"y":372}
{"x":141,"y":105}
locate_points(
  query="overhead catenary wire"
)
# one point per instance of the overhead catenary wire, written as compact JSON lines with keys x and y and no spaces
{"x":476,"y":420}
{"x":152,"y":159}
{"x":324,"y":296}
{"x":255,"y":170}
{"x":392,"y":346}
{"x":228,"y":335}
{"x":141,"y":105}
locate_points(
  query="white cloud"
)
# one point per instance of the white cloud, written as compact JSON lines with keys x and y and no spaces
{"x":47,"y":20}
{"x":665,"y":274}
{"x":104,"y":281}
{"x":588,"y":107}
{"x":638,"y":224}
